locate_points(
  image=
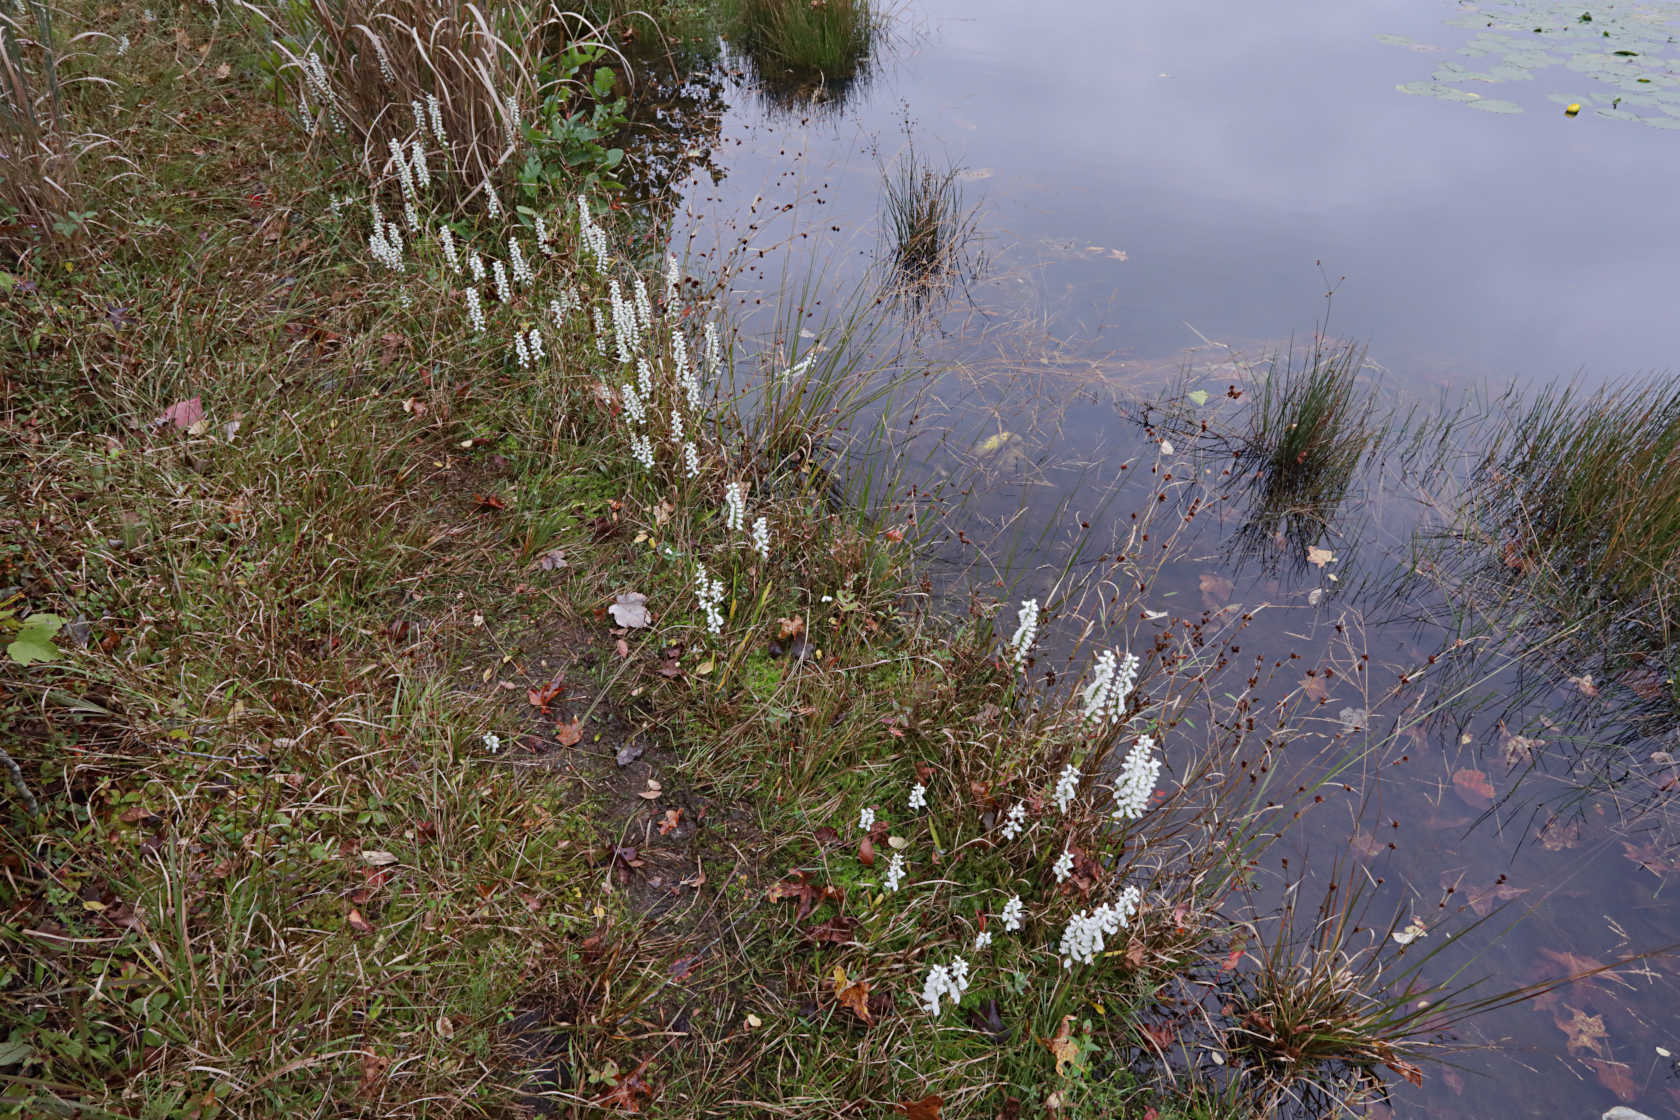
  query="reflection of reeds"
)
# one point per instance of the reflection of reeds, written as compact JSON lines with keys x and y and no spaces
{"x":826,"y":41}
{"x":1308,"y":432}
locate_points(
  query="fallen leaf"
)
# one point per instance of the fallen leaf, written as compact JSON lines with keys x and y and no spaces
{"x":1585,"y":685}
{"x":1216,"y":590}
{"x":925,"y":1109}
{"x":1559,"y":835}
{"x":544,"y":695}
{"x":1646,"y":684}
{"x":852,"y":995}
{"x":627,"y":754}
{"x":1519,"y":749}
{"x":489,"y":501}
{"x":552,"y":559}
{"x":1615,"y":1077}
{"x":223,"y":71}
{"x":1583,"y":1032}
{"x":836,"y":931}
{"x":1473,"y":788}
{"x":1405,"y":1069}
{"x":652,"y":792}
{"x":1319,"y":557}
{"x":182,"y":414}
{"x":866,"y":852}
{"x":630,"y":610}
{"x":669,"y":821}
{"x":378,"y":859}
{"x":1486,"y":899}
{"x":1411,"y":933}
{"x":787,"y":629}
{"x":357,"y":922}
{"x":1315,"y":688}
{"x":569,"y":734}
{"x":1063,"y":1047}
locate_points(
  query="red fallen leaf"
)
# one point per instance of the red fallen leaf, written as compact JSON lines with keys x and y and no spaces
{"x":1160,"y":1035}
{"x":183,"y":414}
{"x":826,"y":836}
{"x":488,"y":501}
{"x":879,"y":831}
{"x":894,"y":535}
{"x":1231,"y":959}
{"x":925,"y":1109}
{"x":627,"y":1095}
{"x":669,"y":821}
{"x":569,"y":734}
{"x":1614,"y":1076}
{"x":357,"y":922}
{"x":924,"y":773}
{"x":866,"y":852}
{"x":543,"y":696}
{"x":1473,"y":788}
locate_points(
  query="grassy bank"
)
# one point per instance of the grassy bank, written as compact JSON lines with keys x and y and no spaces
{"x":447,"y":675}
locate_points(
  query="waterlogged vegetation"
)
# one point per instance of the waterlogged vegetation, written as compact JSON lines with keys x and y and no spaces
{"x":451,"y":668}
{"x":1618,"y":60}
{"x":804,"y":52}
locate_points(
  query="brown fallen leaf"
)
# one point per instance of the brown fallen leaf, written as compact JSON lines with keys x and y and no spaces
{"x":1063,"y":1047}
{"x":852,"y":995}
{"x":1315,"y":688}
{"x":1319,"y":557}
{"x":925,"y":1109}
{"x":866,"y":852}
{"x":1473,"y":788}
{"x":543,"y":695}
{"x":1519,"y":749}
{"x":1584,"y":684}
{"x":1646,"y":684}
{"x":669,"y":821}
{"x":569,"y":734}
{"x":836,"y":931}
{"x":358,"y":923}
{"x":1583,"y":1032}
{"x":787,"y":629}
{"x":1216,"y":590}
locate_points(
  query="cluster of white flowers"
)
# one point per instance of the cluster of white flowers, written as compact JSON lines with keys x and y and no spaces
{"x":918,"y":797}
{"x":761,"y":537}
{"x":535,"y":341}
{"x":434,"y":109}
{"x":710,"y":594}
{"x":123,"y":45}
{"x":384,"y":59}
{"x":1136,"y":784}
{"x":982,"y":940}
{"x":503,"y":291}
{"x":1016,"y":821}
{"x":386,"y":245}
{"x":944,"y":982}
{"x":475,"y":265}
{"x":521,"y":352}
{"x":513,"y":121}
{"x":895,"y":872}
{"x":1086,"y":932}
{"x":633,"y":405}
{"x":713,"y":350}
{"x":446,"y":240}
{"x":866,"y":820}
{"x":1012,"y":912}
{"x":492,"y":742}
{"x":641,"y":449}
{"x":626,"y":329}
{"x":1066,"y":786}
{"x":417,"y":163}
{"x":592,"y":238}
{"x":644,"y":305}
{"x":516,"y":261}
{"x":1111,"y":683}
{"x":600,"y":331}
{"x":475,"y":311}
{"x":558,"y":309}
{"x":492,"y":204}
{"x":644,"y":377}
{"x":734,"y":507}
{"x":315,"y":78}
{"x":1025,"y":634}
{"x":676,"y":426}
{"x":691,"y":460}
{"x":1063,"y":867}
{"x":406,"y":181}
{"x":543,"y":246}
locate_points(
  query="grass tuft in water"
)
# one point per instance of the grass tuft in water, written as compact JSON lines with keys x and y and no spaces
{"x":825,"y":40}
{"x":1309,"y":431}
{"x":927,"y":225}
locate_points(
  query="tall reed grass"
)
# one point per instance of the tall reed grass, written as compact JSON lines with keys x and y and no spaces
{"x":41,"y":153}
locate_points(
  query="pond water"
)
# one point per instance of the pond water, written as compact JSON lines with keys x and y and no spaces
{"x":1169,"y":191}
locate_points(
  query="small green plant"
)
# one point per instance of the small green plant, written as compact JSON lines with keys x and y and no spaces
{"x":566,"y":149}
{"x":927,"y":225}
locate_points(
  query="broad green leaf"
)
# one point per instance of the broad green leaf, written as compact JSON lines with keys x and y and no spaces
{"x":34,"y":640}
